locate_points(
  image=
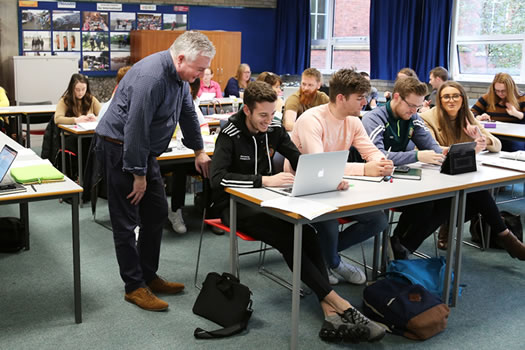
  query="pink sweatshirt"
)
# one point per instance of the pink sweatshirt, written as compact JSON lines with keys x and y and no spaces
{"x":317,"y":130}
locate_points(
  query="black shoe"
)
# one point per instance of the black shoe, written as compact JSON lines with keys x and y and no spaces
{"x":350,"y":333}
{"x":373,"y":330}
{"x":400,"y":252}
{"x":217,"y":230}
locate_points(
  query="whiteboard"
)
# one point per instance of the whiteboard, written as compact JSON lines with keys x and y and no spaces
{"x":42,"y":78}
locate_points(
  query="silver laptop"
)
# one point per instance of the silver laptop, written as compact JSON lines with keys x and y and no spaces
{"x":7,"y":185}
{"x":316,"y":173}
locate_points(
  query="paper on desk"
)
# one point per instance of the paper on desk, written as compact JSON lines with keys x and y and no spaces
{"x":307,"y":208}
{"x":19,"y":163}
{"x":87,"y":125}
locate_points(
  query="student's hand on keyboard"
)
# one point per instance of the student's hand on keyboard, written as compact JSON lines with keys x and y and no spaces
{"x":278,"y":180}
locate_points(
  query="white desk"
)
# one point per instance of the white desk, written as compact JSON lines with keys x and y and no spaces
{"x":512,"y":131}
{"x":66,"y":189}
{"x":28,"y":111}
{"x":368,"y":196}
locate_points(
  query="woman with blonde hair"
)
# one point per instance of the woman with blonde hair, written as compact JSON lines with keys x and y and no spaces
{"x":239,"y":82}
{"x":502,"y":102}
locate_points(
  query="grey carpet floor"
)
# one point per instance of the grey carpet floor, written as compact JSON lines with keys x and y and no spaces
{"x":36,"y":294}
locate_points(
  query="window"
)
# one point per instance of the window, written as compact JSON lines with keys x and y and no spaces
{"x":340,"y":36}
{"x":488,"y":38}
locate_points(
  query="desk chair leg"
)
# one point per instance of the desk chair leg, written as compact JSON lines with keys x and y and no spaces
{"x":273,"y":276}
{"x":199,"y":252}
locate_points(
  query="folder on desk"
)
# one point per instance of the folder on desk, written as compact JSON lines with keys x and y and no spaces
{"x":34,"y":174}
{"x":412,"y":174}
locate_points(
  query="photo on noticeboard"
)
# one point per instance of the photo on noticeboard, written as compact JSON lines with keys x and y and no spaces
{"x":93,"y":21}
{"x":66,"y":20}
{"x":122,"y":21}
{"x":175,"y":21}
{"x":95,"y":41}
{"x":66,"y":41}
{"x":149,"y":21}
{"x":95,"y":61}
{"x":36,"y":19}
{"x":120,"y":41}
{"x":37,"y":40}
{"x":119,"y":60}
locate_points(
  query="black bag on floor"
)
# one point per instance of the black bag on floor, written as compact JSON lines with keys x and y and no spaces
{"x":11,"y":235}
{"x":225,"y":301}
{"x":513,"y":223}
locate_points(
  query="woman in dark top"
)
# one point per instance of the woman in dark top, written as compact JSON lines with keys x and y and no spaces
{"x":238,"y":83}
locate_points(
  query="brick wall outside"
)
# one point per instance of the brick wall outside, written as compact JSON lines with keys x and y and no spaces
{"x":359,"y":59}
{"x":352,"y":18}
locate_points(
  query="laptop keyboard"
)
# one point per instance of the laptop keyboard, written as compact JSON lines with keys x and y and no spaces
{"x":287,"y":189}
{"x":7,"y":187}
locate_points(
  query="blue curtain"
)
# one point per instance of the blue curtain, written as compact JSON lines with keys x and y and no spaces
{"x":292,"y":39}
{"x":409,"y":33}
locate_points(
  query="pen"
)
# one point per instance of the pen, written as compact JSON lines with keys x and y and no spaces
{"x":33,"y":187}
{"x":388,"y":152}
{"x":388,"y":177}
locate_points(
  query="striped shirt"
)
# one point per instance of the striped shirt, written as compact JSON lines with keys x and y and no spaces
{"x":500,"y":112}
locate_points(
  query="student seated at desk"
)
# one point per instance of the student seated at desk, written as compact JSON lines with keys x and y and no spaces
{"x":209,"y":85}
{"x":371,"y":99}
{"x":248,"y":142}
{"x":275,"y":82}
{"x":503,"y":102}
{"x":392,"y":128}
{"x":238,"y":83}
{"x":450,"y":122}
{"x":306,"y":97}
{"x":77,"y":105}
{"x":403,"y":73}
{"x":331,"y":127}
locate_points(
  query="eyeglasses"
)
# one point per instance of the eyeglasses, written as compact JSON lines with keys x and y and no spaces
{"x":411,"y":106}
{"x":454,"y":97}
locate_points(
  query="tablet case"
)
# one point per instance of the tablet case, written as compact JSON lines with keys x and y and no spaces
{"x":36,"y":174}
{"x":461,"y":158}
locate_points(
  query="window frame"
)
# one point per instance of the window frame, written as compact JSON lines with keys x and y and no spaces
{"x":455,"y":41}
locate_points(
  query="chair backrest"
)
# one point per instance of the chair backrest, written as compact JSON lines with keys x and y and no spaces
{"x":21,"y":103}
{"x":277,"y":162}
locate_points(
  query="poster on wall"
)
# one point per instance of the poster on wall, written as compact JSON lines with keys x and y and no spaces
{"x":97,"y":34}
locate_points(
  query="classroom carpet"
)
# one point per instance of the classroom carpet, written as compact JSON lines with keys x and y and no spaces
{"x":36,"y":293}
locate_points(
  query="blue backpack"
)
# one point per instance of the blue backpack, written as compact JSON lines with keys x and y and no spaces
{"x":405,"y":309}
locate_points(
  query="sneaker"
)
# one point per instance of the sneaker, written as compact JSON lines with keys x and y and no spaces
{"x":217,"y":230}
{"x":177,"y":222}
{"x":343,"y":331}
{"x":160,"y":285}
{"x":353,"y":316}
{"x":144,"y":298}
{"x":400,"y":252}
{"x":332,"y":279}
{"x":350,"y":273}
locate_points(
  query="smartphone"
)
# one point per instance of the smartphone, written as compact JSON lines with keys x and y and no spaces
{"x":402,"y":169}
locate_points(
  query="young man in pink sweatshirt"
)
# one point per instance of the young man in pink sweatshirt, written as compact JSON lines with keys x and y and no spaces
{"x":333,"y":127}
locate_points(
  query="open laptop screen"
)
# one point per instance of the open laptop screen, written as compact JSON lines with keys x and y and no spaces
{"x":7,"y":157}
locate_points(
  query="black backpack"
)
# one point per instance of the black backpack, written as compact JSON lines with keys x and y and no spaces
{"x":12,"y":232}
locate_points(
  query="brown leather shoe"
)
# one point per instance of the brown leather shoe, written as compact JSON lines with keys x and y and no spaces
{"x":144,"y":298}
{"x":160,"y":285}
{"x":443,"y":237}
{"x":512,"y":245}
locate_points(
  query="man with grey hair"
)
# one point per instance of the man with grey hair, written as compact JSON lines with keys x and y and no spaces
{"x":149,"y":102}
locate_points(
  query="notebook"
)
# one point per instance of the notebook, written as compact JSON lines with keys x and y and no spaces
{"x":7,"y":185}
{"x":39,"y":173}
{"x":316,"y":173}
{"x":411,"y":174}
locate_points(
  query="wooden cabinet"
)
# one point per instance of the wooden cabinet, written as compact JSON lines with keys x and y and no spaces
{"x":227,"y":45}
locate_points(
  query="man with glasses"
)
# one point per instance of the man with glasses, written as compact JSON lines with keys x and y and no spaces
{"x":395,"y":128}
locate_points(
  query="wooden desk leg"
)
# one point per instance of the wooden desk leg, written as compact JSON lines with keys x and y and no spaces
{"x":233,"y":237}
{"x":451,"y":233}
{"x":24,"y":218}
{"x":76,"y":258}
{"x":459,"y":240}
{"x":296,"y":282}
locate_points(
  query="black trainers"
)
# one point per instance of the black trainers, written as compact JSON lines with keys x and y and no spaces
{"x":400,"y":252}
{"x":349,"y":333}
{"x":352,"y":316}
